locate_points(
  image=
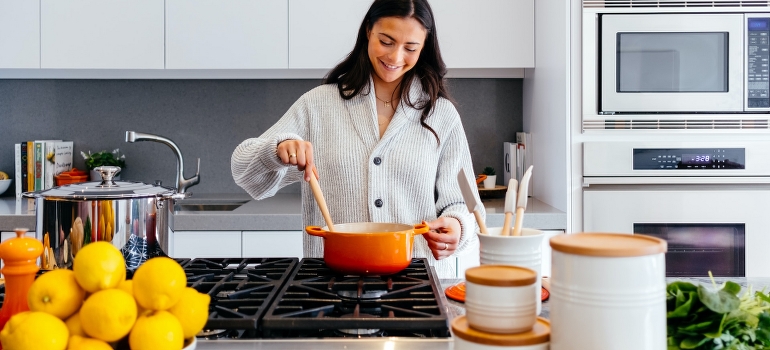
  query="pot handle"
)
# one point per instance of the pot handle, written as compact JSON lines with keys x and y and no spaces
{"x":315,"y":231}
{"x":421,"y":228}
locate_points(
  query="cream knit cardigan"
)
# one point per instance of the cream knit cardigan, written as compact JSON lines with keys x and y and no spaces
{"x":416,"y":179}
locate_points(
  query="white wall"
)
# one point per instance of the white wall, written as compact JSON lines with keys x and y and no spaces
{"x":547,"y":103}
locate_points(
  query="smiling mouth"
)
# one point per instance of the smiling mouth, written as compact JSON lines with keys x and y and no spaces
{"x":389,"y":67}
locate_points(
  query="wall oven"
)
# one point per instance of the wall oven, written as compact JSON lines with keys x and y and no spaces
{"x":709,"y":200}
{"x":675,"y":66}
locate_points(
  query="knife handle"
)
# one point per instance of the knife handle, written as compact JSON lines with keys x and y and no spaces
{"x":480,"y":221}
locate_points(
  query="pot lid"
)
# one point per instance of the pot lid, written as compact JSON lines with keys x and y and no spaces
{"x":106,"y":189}
{"x":608,"y":244}
{"x":501,"y":275}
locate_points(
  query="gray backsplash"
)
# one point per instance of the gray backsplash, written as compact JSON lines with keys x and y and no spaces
{"x":207,"y":119}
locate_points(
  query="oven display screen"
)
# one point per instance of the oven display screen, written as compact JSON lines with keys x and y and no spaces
{"x":696,"y":159}
{"x":689,"y":158}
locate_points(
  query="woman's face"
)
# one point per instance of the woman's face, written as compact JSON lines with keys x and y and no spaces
{"x":394,"y":47}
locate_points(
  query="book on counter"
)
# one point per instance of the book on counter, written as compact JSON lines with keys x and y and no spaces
{"x":30,"y":166}
{"x":17,"y":165}
{"x":38,"y":162}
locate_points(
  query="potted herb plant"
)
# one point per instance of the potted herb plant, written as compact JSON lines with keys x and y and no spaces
{"x":491,"y":179}
{"x":114,"y":158}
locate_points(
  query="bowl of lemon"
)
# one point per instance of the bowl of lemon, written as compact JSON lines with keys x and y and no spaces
{"x":94,"y":306}
{"x":5,"y":182}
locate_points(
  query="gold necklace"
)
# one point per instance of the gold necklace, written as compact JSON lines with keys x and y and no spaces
{"x":387,"y":103}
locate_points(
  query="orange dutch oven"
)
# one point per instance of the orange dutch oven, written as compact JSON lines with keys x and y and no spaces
{"x":368,"y":248}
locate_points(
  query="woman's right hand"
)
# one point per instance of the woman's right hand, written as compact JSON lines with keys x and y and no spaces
{"x":299,"y":153}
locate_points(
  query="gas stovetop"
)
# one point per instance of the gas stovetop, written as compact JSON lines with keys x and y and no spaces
{"x":275,"y":298}
{"x":280,"y":303}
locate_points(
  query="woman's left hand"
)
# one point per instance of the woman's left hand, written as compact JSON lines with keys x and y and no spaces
{"x":443,"y":237}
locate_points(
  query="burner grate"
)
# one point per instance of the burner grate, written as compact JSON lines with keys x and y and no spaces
{"x":317,"y":298}
{"x":240,"y":289}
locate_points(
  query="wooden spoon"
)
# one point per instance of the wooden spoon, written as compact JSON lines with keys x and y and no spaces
{"x":319,"y":198}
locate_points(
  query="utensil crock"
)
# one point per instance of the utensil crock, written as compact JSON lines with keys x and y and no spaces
{"x":524,"y":250}
{"x":608,"y":289}
{"x":368,"y":248}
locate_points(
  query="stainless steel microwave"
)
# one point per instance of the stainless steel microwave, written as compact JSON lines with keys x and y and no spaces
{"x":683,"y":63}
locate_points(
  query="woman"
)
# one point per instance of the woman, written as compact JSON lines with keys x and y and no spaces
{"x":381,"y":135}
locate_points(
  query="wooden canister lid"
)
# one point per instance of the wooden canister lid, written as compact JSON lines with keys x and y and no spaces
{"x":540,"y":333}
{"x":501,"y":275}
{"x":608,"y":244}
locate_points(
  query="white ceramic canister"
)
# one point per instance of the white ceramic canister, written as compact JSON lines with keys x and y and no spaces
{"x":467,"y":338}
{"x":498,"y":298}
{"x":608,"y":292}
{"x":524,"y":251}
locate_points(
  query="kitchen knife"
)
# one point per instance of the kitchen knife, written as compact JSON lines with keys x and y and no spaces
{"x":510,"y":206}
{"x":470,"y":200}
{"x":521,"y":201}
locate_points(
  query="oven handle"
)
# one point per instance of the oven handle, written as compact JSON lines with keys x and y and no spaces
{"x":663,"y":180}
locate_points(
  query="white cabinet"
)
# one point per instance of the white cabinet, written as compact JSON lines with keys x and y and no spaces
{"x":233,"y":34}
{"x":322,"y":33}
{"x":545,"y":268}
{"x":236,"y":244}
{"x":211,"y":39}
{"x":466,"y":261}
{"x":472,"y":34}
{"x":102,"y":34}
{"x":206,"y":244}
{"x":19,"y":34}
{"x":486,"y":33}
{"x":271,"y":244}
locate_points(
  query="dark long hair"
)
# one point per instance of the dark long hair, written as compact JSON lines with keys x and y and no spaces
{"x":352,"y":75}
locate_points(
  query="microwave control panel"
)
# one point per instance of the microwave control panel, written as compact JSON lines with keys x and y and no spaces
{"x":689,"y":158}
{"x":758,"y":62}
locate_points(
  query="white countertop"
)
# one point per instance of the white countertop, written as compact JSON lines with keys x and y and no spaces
{"x":282,"y":212}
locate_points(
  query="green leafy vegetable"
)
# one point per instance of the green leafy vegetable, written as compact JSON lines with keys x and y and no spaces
{"x":702,"y":318}
{"x":720,"y":301}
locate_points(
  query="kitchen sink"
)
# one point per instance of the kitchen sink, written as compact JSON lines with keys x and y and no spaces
{"x":209,"y":206}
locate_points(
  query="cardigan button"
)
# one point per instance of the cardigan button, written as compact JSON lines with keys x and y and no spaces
{"x":378,"y":203}
{"x":377,"y":160}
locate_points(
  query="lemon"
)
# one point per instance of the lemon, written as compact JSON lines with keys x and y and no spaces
{"x":128,"y":287}
{"x":108,"y":314}
{"x":81,"y":343}
{"x":34,"y":330}
{"x":57,"y":293}
{"x":158,"y":283}
{"x":158,"y":330}
{"x":98,"y":266}
{"x":3,"y":176}
{"x":74,"y":326}
{"x":192,"y":311}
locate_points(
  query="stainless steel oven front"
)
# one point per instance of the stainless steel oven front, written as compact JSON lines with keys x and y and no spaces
{"x":709,"y":200}
{"x":667,"y":65}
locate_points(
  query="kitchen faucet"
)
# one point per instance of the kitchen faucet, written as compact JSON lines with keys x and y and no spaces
{"x":181,"y":183}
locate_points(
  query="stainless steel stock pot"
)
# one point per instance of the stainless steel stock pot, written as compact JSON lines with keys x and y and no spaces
{"x":135,"y":217}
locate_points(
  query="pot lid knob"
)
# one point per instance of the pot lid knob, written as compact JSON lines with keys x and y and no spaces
{"x":107,"y":173}
{"x":20,"y":253}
